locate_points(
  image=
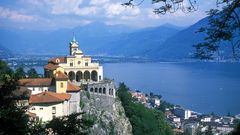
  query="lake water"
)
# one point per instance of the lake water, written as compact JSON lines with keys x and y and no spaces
{"x":201,"y":87}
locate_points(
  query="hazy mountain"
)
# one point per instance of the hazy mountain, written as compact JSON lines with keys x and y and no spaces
{"x":95,"y":38}
{"x":181,"y":44}
{"x":140,"y":42}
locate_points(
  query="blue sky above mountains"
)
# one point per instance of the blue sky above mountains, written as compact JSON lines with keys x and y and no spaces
{"x":57,"y":14}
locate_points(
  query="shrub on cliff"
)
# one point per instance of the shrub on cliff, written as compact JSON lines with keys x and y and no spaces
{"x":144,"y":121}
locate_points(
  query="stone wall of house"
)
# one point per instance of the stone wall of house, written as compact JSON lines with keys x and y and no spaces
{"x":109,"y":113}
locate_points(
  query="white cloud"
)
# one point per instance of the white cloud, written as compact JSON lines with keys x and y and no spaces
{"x":64,"y":6}
{"x":60,"y":7}
{"x":86,"y":11}
{"x":116,"y":9}
{"x":15,"y":16}
{"x":98,"y":2}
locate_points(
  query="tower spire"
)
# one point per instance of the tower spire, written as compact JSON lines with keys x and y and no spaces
{"x":74,"y":39}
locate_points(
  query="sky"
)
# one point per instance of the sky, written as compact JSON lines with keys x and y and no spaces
{"x":60,"y":14}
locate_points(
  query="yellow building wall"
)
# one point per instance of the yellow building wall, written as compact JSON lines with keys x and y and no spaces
{"x":60,"y":89}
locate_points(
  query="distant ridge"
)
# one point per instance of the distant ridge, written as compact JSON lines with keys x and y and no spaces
{"x":95,"y":38}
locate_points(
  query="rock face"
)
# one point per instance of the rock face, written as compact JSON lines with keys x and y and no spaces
{"x":110,"y":115}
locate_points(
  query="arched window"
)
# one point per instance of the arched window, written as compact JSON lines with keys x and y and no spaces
{"x":96,"y":90}
{"x":91,"y":90}
{"x":100,"y":90}
{"x":94,"y":75}
{"x":71,"y":76}
{"x":87,"y":75}
{"x":79,"y":76}
{"x":104,"y":90}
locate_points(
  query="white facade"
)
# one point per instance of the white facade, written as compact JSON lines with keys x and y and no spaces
{"x":183,"y":113}
{"x":47,"y":112}
{"x":157,"y":101}
{"x":36,"y":90}
{"x":80,"y":68}
{"x":206,"y":119}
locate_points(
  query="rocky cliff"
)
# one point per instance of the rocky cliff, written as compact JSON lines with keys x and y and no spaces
{"x":109,"y":113}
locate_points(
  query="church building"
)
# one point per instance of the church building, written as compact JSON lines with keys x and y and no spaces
{"x":58,"y":94}
{"x":79,"y":68}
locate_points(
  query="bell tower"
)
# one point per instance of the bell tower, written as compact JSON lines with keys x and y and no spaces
{"x":74,"y":50}
{"x":73,"y":45}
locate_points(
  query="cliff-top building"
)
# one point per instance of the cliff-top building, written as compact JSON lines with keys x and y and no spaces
{"x":58,"y":94}
{"x":79,"y":68}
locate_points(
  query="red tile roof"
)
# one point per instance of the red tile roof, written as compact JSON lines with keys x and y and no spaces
{"x":72,"y":87}
{"x":35,"y":82}
{"x":57,"y":60}
{"x":49,"y":97}
{"x":60,"y":75}
{"x":51,"y":66}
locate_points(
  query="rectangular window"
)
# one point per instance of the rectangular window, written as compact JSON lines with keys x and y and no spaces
{"x":54,"y":110}
{"x":61,"y":85}
{"x":41,"y":108}
{"x":86,"y":64}
{"x":71,"y":64}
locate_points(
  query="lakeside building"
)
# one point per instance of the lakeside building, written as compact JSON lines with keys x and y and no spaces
{"x":58,"y":94}
{"x":182,"y":113}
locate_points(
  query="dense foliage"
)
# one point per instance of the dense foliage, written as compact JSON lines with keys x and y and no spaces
{"x":236,"y":131}
{"x":74,"y":124}
{"x":144,"y":121}
{"x":13,"y":119}
{"x":32,"y":73}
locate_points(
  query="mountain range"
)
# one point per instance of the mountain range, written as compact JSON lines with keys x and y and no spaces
{"x":165,"y":41}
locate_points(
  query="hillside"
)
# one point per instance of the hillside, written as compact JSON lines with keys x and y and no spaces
{"x":181,"y":44}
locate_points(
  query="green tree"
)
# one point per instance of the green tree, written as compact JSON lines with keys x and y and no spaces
{"x":198,"y":131}
{"x":36,"y":127}
{"x":4,"y":69}
{"x":167,"y":6}
{"x":236,"y":131}
{"x":209,"y":131}
{"x":73,"y":124}
{"x":13,"y":119}
{"x":222,"y":31}
{"x":20,"y":73}
{"x":144,"y":121}
{"x":32,"y":73}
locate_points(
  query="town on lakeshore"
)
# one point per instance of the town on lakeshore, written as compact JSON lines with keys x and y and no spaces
{"x":65,"y":78}
{"x":186,"y":120}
